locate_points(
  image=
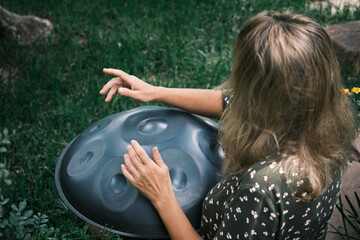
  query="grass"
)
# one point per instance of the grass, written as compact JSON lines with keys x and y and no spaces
{"x":50,"y":92}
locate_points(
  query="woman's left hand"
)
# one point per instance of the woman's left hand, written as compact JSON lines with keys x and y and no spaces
{"x":152,"y":178}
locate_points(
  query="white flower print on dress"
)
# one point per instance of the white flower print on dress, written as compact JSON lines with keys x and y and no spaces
{"x":299,"y":183}
{"x":282,"y":226}
{"x":272,"y":165}
{"x":215,"y":227}
{"x":252,"y":174}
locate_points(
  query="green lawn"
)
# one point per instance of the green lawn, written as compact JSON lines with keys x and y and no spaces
{"x":50,"y":92}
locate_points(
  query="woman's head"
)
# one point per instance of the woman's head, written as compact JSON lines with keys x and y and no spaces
{"x":287,"y":93}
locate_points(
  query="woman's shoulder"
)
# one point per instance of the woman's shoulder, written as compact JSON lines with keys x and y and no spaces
{"x":268,"y":177}
{"x":263,"y":172}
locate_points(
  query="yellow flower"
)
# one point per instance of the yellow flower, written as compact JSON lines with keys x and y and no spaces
{"x":355,"y":90}
{"x":346,"y":91}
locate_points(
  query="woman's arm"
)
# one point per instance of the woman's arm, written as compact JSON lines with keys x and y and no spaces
{"x":204,"y":102}
{"x":152,"y":178}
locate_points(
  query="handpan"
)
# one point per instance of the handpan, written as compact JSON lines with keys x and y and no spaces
{"x":89,"y":179}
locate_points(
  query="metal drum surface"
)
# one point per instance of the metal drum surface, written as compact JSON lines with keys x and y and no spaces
{"x":89,"y":179}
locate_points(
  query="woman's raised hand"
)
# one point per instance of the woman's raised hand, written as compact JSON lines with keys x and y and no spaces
{"x":127,"y":85}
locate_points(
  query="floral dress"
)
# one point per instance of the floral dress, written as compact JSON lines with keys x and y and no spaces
{"x":259,"y":205}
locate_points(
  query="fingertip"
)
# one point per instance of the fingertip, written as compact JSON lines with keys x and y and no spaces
{"x":124,"y":169}
{"x":128,"y":148}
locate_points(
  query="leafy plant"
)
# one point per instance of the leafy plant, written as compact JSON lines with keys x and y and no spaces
{"x":24,"y":224}
{"x":21,"y":223}
{"x":4,"y":140}
{"x":3,"y":222}
{"x":350,"y":218}
{"x":4,"y":178}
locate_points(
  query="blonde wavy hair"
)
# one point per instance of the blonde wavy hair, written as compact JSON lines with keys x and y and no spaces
{"x":286,"y":96}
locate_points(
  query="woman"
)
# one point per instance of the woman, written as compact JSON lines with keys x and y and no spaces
{"x":286,"y":133}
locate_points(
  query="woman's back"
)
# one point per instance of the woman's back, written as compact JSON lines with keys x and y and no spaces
{"x":262,"y":204}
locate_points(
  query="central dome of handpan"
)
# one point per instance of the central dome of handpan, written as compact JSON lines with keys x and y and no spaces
{"x":90,"y":181}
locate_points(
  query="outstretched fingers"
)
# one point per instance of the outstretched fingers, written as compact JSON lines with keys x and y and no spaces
{"x":128,"y":169}
{"x":157,"y":157}
{"x":119,"y":73}
{"x":116,"y":72}
{"x":113,"y":82}
{"x":140,"y":152}
{"x":111,"y":93}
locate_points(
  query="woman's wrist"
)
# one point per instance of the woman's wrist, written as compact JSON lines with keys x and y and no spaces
{"x":164,"y":202}
{"x":173,"y":216}
{"x":159,"y":94}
